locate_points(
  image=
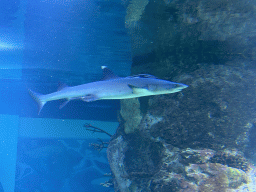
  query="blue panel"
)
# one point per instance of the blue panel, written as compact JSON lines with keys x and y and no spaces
{"x":8,"y":150}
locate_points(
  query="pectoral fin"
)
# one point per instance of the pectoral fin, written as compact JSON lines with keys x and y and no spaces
{"x":138,"y":90}
{"x":89,"y":98}
{"x":64,"y":104}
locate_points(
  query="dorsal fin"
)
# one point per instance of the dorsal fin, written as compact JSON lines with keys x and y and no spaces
{"x":61,"y":86}
{"x":107,"y":73}
{"x":145,"y":76}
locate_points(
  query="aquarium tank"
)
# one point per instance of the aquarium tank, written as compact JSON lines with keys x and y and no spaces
{"x":127,"y":96}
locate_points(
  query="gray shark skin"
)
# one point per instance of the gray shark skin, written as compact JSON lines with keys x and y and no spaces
{"x":111,"y":87}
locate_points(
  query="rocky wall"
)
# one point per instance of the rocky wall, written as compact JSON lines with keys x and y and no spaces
{"x":194,"y":140}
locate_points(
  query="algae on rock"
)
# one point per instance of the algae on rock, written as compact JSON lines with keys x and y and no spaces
{"x":130,"y":112}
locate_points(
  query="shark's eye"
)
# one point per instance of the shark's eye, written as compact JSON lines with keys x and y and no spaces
{"x":174,"y":85}
{"x":170,"y":86}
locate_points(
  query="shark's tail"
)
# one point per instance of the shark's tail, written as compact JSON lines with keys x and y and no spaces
{"x":38,"y":98}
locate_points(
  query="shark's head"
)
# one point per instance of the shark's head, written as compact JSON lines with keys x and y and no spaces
{"x":166,"y":88}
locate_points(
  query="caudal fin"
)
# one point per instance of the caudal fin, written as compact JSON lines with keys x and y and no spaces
{"x":37,"y":98}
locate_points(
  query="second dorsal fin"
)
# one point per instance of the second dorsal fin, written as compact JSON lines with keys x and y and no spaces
{"x":62,"y":86}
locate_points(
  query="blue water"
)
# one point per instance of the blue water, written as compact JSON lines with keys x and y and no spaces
{"x":42,"y":43}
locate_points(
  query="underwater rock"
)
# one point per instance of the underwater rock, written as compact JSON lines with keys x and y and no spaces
{"x":215,"y":177}
{"x":207,"y":124}
{"x":194,"y":140}
{"x":216,"y":111}
{"x":116,"y":152}
{"x":134,"y":12}
{"x":130,"y":112}
{"x":231,"y":158}
{"x":172,"y":37}
{"x":196,"y":156}
{"x":173,"y":169}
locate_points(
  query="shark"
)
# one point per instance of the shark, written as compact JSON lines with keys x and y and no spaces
{"x":110,"y":86}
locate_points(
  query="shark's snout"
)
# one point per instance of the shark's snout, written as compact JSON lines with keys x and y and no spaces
{"x":177,"y":86}
{"x":182,"y":86}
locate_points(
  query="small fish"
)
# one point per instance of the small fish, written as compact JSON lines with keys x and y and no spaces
{"x":110,"y":86}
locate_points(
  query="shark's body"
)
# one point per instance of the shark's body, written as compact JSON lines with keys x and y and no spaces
{"x":111,"y":87}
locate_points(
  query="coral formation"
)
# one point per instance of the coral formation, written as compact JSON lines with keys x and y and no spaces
{"x":130,"y":112}
{"x":134,"y":12}
{"x":195,"y":140}
{"x":215,"y":177}
{"x":231,"y":159}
